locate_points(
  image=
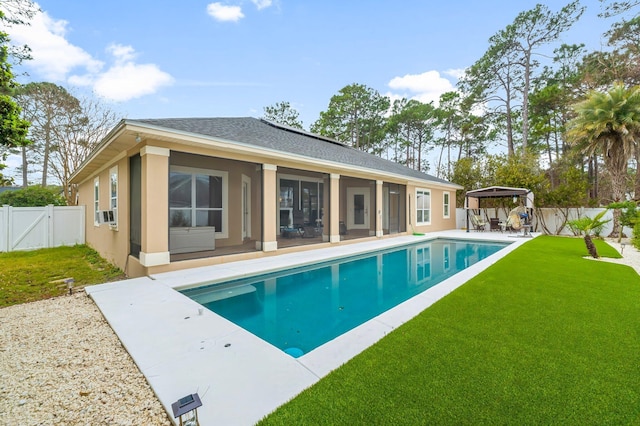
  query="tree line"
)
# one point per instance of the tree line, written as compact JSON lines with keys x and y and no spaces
{"x":52,"y":130}
{"x":530,"y":112}
{"x":568,"y":126}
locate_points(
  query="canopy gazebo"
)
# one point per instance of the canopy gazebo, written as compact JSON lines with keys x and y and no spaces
{"x":520,"y":196}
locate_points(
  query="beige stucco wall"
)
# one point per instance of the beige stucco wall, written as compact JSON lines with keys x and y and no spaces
{"x":438,"y":221}
{"x":113,"y":244}
{"x":270,"y":204}
{"x":155,"y":201}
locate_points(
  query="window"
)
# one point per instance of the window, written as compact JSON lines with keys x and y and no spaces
{"x":445,"y":205}
{"x":423,"y":206}
{"x":96,"y":201}
{"x":446,"y":257}
{"x":198,"y":197}
{"x":423,"y":264}
{"x":113,"y":194}
{"x":301,"y":197}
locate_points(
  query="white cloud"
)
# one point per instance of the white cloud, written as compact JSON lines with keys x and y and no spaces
{"x":53,"y":56}
{"x":121,"y":53}
{"x":456,"y":73}
{"x":125,"y":79}
{"x":56,"y":59}
{"x":224,"y":13}
{"x":262,"y":4}
{"x":425,"y":87}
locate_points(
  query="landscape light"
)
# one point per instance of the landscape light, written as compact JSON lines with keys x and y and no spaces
{"x":186,"y":409}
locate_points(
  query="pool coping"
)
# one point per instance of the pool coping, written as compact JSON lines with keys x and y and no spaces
{"x":240,"y":378}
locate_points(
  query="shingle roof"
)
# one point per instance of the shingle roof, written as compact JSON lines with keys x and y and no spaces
{"x":272,"y":136}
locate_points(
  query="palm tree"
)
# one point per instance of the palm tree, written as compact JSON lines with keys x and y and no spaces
{"x":609,"y":123}
{"x":587,"y":226}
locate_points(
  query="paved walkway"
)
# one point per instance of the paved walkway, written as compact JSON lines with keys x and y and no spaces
{"x":630,"y":255}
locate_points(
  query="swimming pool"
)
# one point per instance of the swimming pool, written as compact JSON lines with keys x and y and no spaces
{"x":299,"y":309}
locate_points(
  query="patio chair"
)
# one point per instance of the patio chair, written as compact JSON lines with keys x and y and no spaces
{"x":513,"y":224}
{"x":478,"y":222}
{"x":343,"y":228}
{"x":308,"y":231}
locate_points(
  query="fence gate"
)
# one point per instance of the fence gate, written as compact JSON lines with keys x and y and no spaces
{"x":29,"y":228}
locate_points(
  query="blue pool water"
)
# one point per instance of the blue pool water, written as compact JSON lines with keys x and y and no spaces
{"x":299,"y":309}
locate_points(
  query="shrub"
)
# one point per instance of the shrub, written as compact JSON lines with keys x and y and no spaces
{"x":635,"y":239}
{"x":33,"y":196}
{"x":629,"y":216}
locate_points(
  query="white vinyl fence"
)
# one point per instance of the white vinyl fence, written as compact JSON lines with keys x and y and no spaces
{"x":547,"y":220}
{"x":29,"y":228}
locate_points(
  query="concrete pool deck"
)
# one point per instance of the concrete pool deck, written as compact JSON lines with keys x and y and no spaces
{"x":183,"y":349}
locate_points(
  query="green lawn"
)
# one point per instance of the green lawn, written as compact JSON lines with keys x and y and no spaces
{"x":541,"y":337}
{"x":26,"y":276}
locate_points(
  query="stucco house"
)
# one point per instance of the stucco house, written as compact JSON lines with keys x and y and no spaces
{"x":168,"y":194}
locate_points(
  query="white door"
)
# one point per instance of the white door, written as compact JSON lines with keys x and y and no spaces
{"x":246,"y":207}
{"x":358,"y":208}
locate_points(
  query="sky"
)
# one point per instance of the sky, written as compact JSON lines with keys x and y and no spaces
{"x":162,"y":59}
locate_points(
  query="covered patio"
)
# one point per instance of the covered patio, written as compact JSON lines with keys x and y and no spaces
{"x":520,"y":197}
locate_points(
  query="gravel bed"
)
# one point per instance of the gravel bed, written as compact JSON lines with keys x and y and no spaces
{"x":62,"y":364}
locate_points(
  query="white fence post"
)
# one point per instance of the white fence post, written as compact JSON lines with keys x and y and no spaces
{"x":4,"y":228}
{"x":50,"y":229}
{"x":9,"y":221}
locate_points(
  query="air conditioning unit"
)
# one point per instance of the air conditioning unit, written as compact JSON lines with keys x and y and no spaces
{"x":107,"y":216}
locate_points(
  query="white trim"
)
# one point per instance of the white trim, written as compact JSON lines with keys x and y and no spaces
{"x":114,"y":171}
{"x":154,"y":150}
{"x":225,"y":193}
{"x":269,"y":167}
{"x":446,"y":257}
{"x":155,"y":259}
{"x":421,"y":261}
{"x":446,"y":215}
{"x":429,"y":209}
{"x":334,"y":176}
{"x":269,"y":246}
{"x":246,"y":210}
{"x":385,"y":207}
{"x":96,"y":201}
{"x":366,"y":193}
{"x":300,"y":178}
{"x":105,"y":166}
